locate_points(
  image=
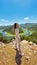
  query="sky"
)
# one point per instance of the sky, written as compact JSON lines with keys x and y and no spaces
{"x":20,"y":11}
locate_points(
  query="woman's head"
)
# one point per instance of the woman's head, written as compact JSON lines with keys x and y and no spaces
{"x":16,"y":25}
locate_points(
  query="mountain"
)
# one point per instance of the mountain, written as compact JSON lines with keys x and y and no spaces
{"x":10,"y":28}
{"x":28,"y":25}
{"x":7,"y":28}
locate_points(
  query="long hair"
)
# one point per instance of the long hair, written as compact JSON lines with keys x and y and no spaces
{"x":16,"y":25}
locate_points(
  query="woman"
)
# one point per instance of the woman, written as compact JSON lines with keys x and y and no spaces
{"x":18,"y":39}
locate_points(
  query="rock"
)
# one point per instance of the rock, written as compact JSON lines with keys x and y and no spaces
{"x":27,"y":58}
{"x":2,"y":44}
{"x":11,"y":43}
{"x":30,"y":43}
{"x":35,"y":44}
{"x":24,"y":46}
{"x":31,"y":48}
{"x":24,"y":41}
{"x":30,"y":53}
{"x":35,"y":52}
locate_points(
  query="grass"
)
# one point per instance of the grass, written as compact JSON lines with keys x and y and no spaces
{"x":9,"y":34}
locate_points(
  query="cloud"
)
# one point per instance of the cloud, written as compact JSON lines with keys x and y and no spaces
{"x":4,"y":20}
{"x":26,"y":18}
{"x":30,"y":19}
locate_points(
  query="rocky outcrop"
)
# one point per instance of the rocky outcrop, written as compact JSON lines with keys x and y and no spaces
{"x":10,"y":56}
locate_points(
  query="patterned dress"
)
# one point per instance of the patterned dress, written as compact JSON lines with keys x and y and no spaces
{"x":17,"y":38}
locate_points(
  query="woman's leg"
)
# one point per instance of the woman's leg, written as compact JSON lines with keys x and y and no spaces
{"x":18,"y":46}
{"x":14,"y":44}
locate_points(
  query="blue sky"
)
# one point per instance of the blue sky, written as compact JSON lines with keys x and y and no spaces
{"x":21,"y":11}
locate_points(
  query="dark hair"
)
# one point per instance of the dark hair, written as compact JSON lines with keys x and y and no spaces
{"x":16,"y":25}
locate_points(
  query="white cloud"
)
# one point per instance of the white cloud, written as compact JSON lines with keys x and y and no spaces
{"x":26,"y":18}
{"x":4,"y":20}
{"x":30,"y":19}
